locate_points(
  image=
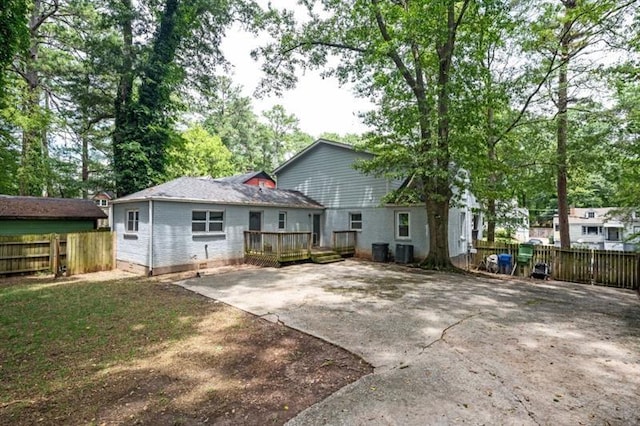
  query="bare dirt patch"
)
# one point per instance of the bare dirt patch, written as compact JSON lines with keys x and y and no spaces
{"x":140,"y":351}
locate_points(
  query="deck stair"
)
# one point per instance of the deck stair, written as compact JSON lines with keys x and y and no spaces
{"x":325,"y":255}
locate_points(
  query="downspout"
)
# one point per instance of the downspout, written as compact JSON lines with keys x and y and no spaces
{"x":150,"y":238}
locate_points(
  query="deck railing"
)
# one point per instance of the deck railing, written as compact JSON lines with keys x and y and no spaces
{"x":344,"y":242}
{"x":274,"y":248}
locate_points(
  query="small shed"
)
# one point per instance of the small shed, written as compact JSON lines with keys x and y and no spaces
{"x":40,"y":215}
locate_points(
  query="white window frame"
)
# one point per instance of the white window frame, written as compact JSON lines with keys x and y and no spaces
{"x":282,"y":220}
{"x":591,"y":215}
{"x":132,"y":221}
{"x":208,"y":221}
{"x":408,"y":225}
{"x":101,"y":203}
{"x":585,"y":230}
{"x":353,"y":221}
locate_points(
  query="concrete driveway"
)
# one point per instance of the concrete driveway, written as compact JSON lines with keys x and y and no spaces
{"x":451,"y":348}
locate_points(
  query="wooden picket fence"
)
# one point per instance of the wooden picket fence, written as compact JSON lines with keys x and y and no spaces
{"x":601,"y":267}
{"x":68,"y":254}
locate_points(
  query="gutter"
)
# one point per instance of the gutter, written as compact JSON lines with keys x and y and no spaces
{"x":150,"y":238}
{"x":228,"y":203}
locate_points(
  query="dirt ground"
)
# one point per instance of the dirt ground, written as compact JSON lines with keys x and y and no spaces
{"x":236,"y":369}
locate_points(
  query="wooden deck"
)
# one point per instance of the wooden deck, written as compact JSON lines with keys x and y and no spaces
{"x":278,"y":248}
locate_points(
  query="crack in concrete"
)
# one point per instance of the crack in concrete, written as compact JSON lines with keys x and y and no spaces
{"x":516,"y":396}
{"x":446,"y":330}
{"x":278,"y":321}
{"x":529,"y":413}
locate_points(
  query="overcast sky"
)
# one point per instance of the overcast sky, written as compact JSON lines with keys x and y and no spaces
{"x":320,"y":104}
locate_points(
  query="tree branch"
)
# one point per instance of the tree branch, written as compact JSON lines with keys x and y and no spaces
{"x":552,"y":67}
{"x":392,"y":53}
{"x":323,"y":43}
{"x":44,"y":16}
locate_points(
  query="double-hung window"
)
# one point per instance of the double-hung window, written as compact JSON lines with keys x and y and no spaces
{"x":591,"y":230}
{"x":207,"y":221}
{"x":355,"y":221}
{"x":403,"y":230}
{"x":282,"y":220}
{"x":133,"y":217}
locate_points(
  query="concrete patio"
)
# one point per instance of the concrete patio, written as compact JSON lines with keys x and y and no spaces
{"x":454,"y":348}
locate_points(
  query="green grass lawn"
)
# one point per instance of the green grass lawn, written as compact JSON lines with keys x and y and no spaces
{"x":137,"y":351}
{"x":53,"y":336}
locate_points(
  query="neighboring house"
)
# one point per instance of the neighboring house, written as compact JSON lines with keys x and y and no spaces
{"x":514,"y":220}
{"x":542,"y":233}
{"x":103,"y":200}
{"x":187,"y":221}
{"x":600,"y":229}
{"x":325,"y":172}
{"x":252,"y":178}
{"x":38,"y":215}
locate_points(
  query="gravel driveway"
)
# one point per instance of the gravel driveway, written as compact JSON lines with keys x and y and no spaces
{"x":450,"y":348}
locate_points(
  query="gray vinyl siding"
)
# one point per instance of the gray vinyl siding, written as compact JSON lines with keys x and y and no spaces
{"x":378,"y":226}
{"x":326,"y":174}
{"x":459,"y":230}
{"x":132,"y":246}
{"x":175,"y":244}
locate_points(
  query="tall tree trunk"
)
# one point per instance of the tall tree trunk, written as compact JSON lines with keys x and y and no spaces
{"x":123,"y":104}
{"x":142,"y":131}
{"x":492,"y":156}
{"x":85,"y":164}
{"x":562,"y":123}
{"x":31,"y":159}
{"x":439,"y":198}
{"x":155,"y":91}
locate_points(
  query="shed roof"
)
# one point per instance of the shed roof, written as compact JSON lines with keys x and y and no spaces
{"x":193,"y":189}
{"x":243,"y":178}
{"x":14,"y":207}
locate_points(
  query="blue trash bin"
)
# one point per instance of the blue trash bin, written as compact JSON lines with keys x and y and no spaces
{"x":504,"y":263}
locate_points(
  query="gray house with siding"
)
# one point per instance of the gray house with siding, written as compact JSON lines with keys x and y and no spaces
{"x":201,"y":221}
{"x":325,"y":172}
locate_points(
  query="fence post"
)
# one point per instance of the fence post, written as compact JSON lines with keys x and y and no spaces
{"x":53,"y":255}
{"x":592,"y":267}
{"x":279,"y":242}
{"x":55,"y":262}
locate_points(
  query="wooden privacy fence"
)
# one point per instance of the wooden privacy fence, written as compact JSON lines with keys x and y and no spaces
{"x":602,"y":267}
{"x":75,"y":253}
{"x":90,"y":252}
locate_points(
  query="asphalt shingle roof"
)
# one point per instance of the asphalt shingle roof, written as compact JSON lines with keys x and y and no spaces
{"x":14,"y":207}
{"x":216,"y":191}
